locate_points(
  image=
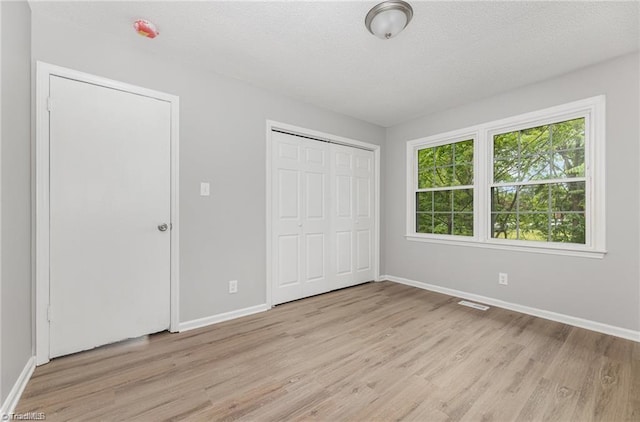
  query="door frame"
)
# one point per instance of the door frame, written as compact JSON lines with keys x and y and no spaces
{"x":42,"y":229}
{"x":320,"y":137}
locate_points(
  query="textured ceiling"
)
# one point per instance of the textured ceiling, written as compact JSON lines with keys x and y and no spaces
{"x":320,"y":52}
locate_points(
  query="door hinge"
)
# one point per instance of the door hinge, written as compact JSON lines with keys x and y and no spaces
{"x":49,"y":101}
{"x":49,"y":313}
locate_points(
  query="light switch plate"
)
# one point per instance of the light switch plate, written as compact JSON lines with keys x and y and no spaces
{"x":204,"y":189}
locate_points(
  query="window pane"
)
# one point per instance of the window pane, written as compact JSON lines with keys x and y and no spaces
{"x":534,"y":140}
{"x":568,"y":228}
{"x":425,"y":159}
{"x":444,"y":155}
{"x":442,"y":223}
{"x":463,"y":224}
{"x":506,"y":170}
{"x":503,"y":199}
{"x":533,"y":227}
{"x":533,"y":198}
{"x":568,"y":163}
{"x":425,"y":179}
{"x":535,"y":167}
{"x":424,"y":223}
{"x":568,"y":196}
{"x":442,"y":201}
{"x":424,"y":201}
{"x":425,"y":168}
{"x":464,"y":174}
{"x":568,"y":135}
{"x":443,"y":177}
{"x":505,"y":146}
{"x":463,"y":152}
{"x":462,"y":200}
{"x":504,"y":226}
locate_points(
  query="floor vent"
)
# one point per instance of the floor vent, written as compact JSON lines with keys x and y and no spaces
{"x":473,"y":305}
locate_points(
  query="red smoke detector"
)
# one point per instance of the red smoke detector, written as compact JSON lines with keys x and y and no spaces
{"x":145,"y":28}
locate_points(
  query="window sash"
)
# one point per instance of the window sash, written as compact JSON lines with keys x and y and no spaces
{"x":549,"y":120}
{"x":451,"y":166}
{"x":455,"y":223}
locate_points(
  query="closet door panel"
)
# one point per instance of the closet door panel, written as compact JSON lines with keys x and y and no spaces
{"x":301,"y":218}
{"x":353,"y":222}
{"x":286,"y":241}
{"x":364,"y":221}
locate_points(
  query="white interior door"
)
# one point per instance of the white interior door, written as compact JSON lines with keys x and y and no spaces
{"x":353,"y":225}
{"x":301,"y":221}
{"x":109,"y":193}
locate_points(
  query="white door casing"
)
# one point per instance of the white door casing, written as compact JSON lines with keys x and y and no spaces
{"x":296,"y":232}
{"x":106,"y":178}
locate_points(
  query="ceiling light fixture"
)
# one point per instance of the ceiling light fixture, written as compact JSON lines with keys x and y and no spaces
{"x":389,"y":18}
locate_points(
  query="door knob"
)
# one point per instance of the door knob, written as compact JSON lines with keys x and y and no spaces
{"x":163,"y":227}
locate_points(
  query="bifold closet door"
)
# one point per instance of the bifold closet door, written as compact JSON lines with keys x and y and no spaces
{"x":353,"y":221}
{"x":300,"y":217}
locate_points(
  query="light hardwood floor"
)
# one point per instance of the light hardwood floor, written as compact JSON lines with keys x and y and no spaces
{"x":376,"y":352}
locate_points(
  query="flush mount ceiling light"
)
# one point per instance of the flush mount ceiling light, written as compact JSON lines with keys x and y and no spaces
{"x":389,"y":18}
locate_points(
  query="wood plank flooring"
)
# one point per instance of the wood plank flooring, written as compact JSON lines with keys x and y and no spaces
{"x":376,"y":352}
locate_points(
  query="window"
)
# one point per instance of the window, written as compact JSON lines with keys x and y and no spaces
{"x":538,"y":191}
{"x":444,"y":195}
{"x":531,"y":182}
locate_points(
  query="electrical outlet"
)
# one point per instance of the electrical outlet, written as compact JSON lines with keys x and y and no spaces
{"x":233,"y":286}
{"x":204,"y":189}
{"x":503,"y":279}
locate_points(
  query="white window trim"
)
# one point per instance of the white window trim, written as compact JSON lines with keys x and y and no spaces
{"x":592,"y":109}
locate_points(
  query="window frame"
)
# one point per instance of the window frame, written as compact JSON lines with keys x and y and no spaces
{"x":591,"y":109}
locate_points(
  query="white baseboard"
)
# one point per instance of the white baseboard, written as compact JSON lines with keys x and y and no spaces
{"x":10,"y":403}
{"x":214,"y":319}
{"x":553,"y":316}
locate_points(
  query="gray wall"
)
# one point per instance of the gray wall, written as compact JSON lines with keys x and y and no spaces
{"x":606,"y":290}
{"x":16,"y":192}
{"x":222,"y":140}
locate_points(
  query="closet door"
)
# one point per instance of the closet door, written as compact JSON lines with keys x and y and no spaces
{"x":353,"y":216}
{"x":300,"y":217}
